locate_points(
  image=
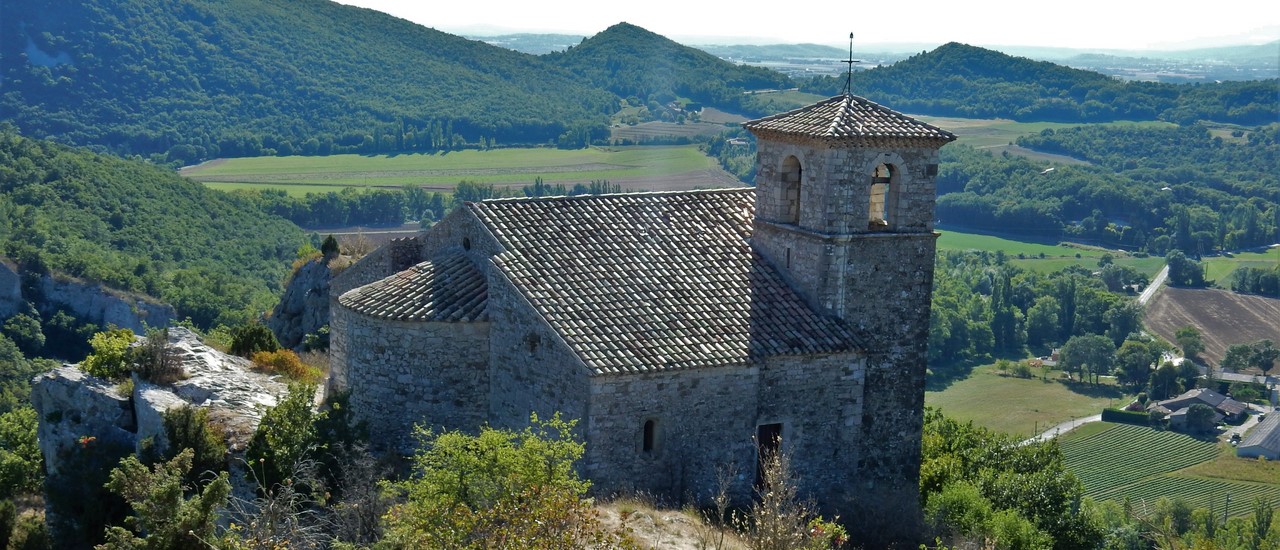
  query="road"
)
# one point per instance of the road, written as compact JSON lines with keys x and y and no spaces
{"x":1151,"y":289}
{"x":1064,"y":428}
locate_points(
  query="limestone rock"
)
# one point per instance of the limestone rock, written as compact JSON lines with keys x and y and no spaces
{"x":304,"y":307}
{"x":74,"y":408}
{"x":88,"y":301}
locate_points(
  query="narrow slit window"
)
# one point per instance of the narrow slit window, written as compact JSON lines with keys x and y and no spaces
{"x":648,"y":436}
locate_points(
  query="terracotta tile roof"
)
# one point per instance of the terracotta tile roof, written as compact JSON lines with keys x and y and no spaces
{"x":446,"y":288}
{"x":847,"y":117}
{"x":652,"y":281}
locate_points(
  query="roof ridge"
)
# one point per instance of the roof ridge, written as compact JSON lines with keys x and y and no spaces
{"x":609,"y":195}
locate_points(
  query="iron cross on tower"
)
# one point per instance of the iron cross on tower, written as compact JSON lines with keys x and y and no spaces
{"x":848,"y":80}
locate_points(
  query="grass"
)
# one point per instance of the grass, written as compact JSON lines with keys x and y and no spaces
{"x":1021,"y":406}
{"x":1056,"y":256}
{"x":1118,"y":461}
{"x":298,"y":175}
{"x":990,"y":133}
{"x":1219,"y":268}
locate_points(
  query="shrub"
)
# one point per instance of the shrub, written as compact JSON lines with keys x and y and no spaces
{"x":329,"y":248}
{"x":159,"y":509}
{"x":156,"y":362}
{"x":252,"y":337}
{"x":110,"y":357}
{"x":284,"y":438}
{"x":498,"y":489}
{"x":1022,"y":370}
{"x":287,"y":363}
{"x":188,"y":427}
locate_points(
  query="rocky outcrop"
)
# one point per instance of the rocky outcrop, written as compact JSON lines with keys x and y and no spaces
{"x":73,"y":406}
{"x":304,"y":307}
{"x":88,"y":301}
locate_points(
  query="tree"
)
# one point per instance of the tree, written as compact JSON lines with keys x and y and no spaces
{"x":329,"y":248}
{"x":25,"y":331}
{"x":1122,"y":320}
{"x":1090,"y":354}
{"x":20,"y":468}
{"x":1237,"y":357}
{"x":1189,"y":340}
{"x":1134,"y":360}
{"x":1200,"y":418}
{"x":1264,"y":356}
{"x":1164,"y":383}
{"x":165,"y":519}
{"x":1184,"y":271}
{"x":1042,"y":321}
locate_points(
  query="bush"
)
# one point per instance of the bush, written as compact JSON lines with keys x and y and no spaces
{"x":1022,"y":370}
{"x":287,"y":363}
{"x":1126,"y":417}
{"x":188,"y":427}
{"x":499,"y":488}
{"x":110,"y":357}
{"x":156,"y":362}
{"x":285,"y":437}
{"x":248,"y":338}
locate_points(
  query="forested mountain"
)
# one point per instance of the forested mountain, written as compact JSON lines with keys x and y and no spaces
{"x":1155,"y":189}
{"x":635,"y":63}
{"x":196,"y":79}
{"x":139,"y":227}
{"x":966,"y":81}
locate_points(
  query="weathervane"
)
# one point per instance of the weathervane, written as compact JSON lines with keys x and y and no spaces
{"x":848,"y":80}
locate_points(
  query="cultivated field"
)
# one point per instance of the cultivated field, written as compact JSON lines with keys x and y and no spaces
{"x":663,"y":130}
{"x":1115,"y":461}
{"x":1219,"y":268}
{"x":998,"y":135}
{"x":1223,"y":317}
{"x":632,"y":168}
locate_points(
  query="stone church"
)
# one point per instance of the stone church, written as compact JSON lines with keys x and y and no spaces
{"x":687,"y":331}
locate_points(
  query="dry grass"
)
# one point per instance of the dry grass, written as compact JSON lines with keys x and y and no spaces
{"x":652,"y":527}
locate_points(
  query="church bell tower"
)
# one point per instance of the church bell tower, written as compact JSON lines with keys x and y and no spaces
{"x":845,"y":193}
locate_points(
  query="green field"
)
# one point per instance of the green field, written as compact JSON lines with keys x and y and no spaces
{"x":988,"y":133}
{"x":1021,"y":406}
{"x":512,"y":167}
{"x":1115,"y":461}
{"x":1219,"y":268}
{"x":1056,"y":256}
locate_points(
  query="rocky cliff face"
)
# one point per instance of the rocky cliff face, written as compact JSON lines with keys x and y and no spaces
{"x":89,"y":302}
{"x":304,"y":307}
{"x":77,"y":411}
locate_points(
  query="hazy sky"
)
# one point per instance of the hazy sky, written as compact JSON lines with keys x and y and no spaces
{"x":1120,"y":24}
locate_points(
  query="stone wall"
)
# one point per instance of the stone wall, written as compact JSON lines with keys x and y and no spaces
{"x":531,"y":368}
{"x":706,"y":419}
{"x":404,"y":373}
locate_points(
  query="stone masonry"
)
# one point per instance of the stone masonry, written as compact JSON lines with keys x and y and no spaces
{"x":681,"y":329}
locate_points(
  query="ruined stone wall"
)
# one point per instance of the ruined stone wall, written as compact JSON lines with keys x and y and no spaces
{"x":706,"y":419}
{"x":403,"y":373}
{"x":531,"y":368}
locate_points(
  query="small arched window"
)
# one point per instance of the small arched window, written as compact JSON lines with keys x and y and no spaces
{"x":791,"y":177}
{"x":882,"y":197}
{"x":648,"y":437}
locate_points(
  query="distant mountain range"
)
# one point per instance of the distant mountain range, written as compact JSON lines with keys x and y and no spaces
{"x":179,"y":82}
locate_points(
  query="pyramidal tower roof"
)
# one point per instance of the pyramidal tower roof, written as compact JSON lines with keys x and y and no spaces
{"x":847,"y":118}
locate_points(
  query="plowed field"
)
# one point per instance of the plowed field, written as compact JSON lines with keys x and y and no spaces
{"x":1223,"y":317}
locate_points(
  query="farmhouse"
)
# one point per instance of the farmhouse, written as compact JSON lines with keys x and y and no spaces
{"x":688,"y":331}
{"x":1263,"y":440}
{"x":1225,"y":408}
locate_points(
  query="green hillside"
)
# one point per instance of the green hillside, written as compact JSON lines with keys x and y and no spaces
{"x":196,"y":79}
{"x":967,"y":81}
{"x":632,"y":62}
{"x":141,"y":228}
